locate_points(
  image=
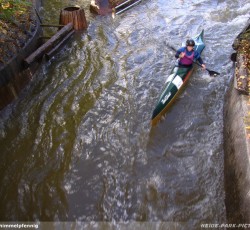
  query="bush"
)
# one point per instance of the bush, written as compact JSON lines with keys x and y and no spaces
{"x":9,"y":10}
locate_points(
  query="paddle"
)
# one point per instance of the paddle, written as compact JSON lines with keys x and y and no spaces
{"x":233,"y":57}
{"x":211,"y":72}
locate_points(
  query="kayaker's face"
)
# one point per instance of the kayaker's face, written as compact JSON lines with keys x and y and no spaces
{"x":190,"y":48}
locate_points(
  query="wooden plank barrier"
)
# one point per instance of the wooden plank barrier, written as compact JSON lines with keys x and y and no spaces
{"x":126,"y":5}
{"x":50,"y":44}
{"x":52,"y":52}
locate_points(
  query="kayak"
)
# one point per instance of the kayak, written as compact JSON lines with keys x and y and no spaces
{"x":174,"y":83}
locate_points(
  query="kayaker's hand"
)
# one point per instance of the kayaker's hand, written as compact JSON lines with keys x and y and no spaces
{"x":203,"y":66}
{"x":182,"y":54}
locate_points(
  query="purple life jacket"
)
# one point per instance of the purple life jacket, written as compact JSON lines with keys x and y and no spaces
{"x":187,"y":60}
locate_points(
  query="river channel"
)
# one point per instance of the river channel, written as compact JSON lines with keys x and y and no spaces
{"x":77,"y":144}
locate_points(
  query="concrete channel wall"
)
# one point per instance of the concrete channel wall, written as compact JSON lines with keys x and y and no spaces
{"x":237,"y":138}
{"x":237,"y":157}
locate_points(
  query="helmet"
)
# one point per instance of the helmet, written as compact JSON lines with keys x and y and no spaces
{"x":190,"y":42}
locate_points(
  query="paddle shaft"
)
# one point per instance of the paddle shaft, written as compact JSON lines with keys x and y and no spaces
{"x":211,"y":72}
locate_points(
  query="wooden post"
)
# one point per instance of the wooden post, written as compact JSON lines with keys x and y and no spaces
{"x":75,"y":15}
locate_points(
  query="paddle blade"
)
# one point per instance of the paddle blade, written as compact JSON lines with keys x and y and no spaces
{"x":213,"y":73}
{"x":233,"y":57}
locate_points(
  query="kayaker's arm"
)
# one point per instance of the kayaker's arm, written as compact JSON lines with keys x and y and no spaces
{"x":178,"y":52}
{"x":202,"y":63}
{"x":199,"y":59}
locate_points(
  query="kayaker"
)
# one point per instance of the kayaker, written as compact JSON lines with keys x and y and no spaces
{"x":187,"y":55}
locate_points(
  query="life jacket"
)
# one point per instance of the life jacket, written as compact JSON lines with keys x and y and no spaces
{"x":187,"y":60}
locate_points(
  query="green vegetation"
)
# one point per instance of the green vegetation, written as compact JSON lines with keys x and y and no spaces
{"x":16,"y":25}
{"x":11,"y":9}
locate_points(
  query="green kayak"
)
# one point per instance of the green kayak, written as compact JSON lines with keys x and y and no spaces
{"x":174,"y":83}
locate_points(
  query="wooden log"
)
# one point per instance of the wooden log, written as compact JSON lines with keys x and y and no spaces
{"x":75,"y":15}
{"x":52,"y":52}
{"x":52,"y":42}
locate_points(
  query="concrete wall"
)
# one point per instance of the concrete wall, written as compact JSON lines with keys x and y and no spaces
{"x":237,"y":157}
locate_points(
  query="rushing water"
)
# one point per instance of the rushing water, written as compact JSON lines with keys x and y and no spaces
{"x":77,"y":145}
